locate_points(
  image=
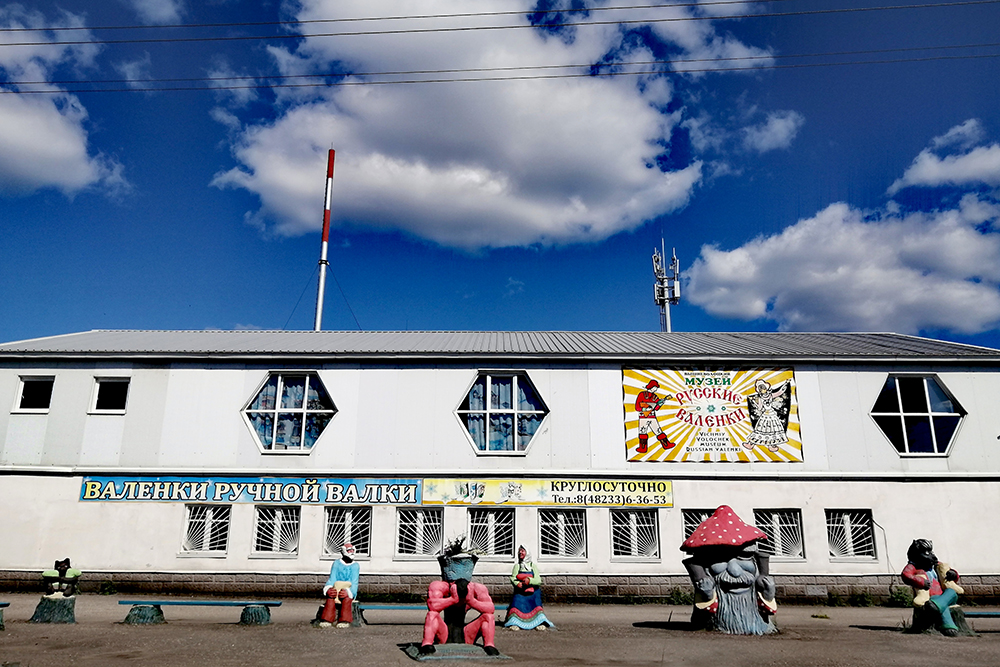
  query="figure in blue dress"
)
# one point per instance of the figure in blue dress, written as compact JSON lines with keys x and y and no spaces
{"x":525,"y":611}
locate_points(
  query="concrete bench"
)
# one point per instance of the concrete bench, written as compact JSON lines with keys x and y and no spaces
{"x":146,"y":612}
{"x":3,"y":605}
{"x":362,"y":607}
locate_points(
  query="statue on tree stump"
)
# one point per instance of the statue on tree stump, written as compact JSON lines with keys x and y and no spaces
{"x":58,"y":605}
{"x":734,"y":592}
{"x":935,"y":592}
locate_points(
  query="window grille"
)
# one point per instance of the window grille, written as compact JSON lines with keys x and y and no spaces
{"x":784,"y":533}
{"x":502,"y":412}
{"x":563,"y":533}
{"x":348,"y":524}
{"x":277,"y":530}
{"x":36,"y":394}
{"x":693,"y":519}
{"x":917,"y":414}
{"x":850,"y":534}
{"x":419,"y":532}
{"x":634,"y":534}
{"x":207,"y":529}
{"x":290,"y":412}
{"x":492,"y":531}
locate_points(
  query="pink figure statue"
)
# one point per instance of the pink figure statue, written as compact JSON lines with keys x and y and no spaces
{"x":457,"y":598}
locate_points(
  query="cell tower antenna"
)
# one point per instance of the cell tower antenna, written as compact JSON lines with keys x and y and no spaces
{"x":667,"y":289}
{"x":318,"y":323}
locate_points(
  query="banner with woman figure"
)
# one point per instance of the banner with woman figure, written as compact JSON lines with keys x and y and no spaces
{"x":711,"y":415}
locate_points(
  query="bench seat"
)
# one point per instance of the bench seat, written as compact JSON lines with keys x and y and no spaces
{"x":148,"y":612}
{"x":380,"y":606}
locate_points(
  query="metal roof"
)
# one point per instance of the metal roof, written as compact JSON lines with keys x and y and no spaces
{"x":771,"y":346}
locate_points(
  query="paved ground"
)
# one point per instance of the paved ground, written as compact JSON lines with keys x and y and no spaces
{"x":587,"y":635}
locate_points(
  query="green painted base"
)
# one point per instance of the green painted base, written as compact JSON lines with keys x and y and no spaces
{"x":145,"y":614}
{"x":452,"y":652}
{"x":255,"y":614}
{"x":55,"y":609}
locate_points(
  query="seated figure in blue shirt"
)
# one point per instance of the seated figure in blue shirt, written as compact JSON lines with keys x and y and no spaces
{"x":341,"y":589}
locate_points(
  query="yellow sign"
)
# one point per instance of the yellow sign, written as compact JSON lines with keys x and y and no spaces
{"x":549,"y":492}
{"x":712,"y":415}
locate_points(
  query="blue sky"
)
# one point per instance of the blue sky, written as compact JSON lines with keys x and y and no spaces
{"x":859,"y":197}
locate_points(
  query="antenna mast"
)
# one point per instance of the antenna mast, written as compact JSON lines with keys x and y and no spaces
{"x":318,"y":324}
{"x":667,"y":290}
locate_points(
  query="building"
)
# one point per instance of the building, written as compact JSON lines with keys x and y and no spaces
{"x":239,"y":461}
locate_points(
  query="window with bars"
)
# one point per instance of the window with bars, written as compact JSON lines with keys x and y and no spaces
{"x":850,"y":534}
{"x":563,"y":533}
{"x":348,"y":524}
{"x":207,"y":529}
{"x":289,"y":412}
{"x":419,"y":532}
{"x":783,"y":528}
{"x":917,"y":414}
{"x":492,"y":531}
{"x":693,"y":519}
{"x":276,"y":530}
{"x":502,"y":412}
{"x":634,"y":534}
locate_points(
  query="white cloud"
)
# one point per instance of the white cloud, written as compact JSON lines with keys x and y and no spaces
{"x":979,"y":165}
{"x":136,"y":70}
{"x":778,"y":131}
{"x":43,"y":140}
{"x":842,"y":271}
{"x":157,"y":12}
{"x":470,"y":165}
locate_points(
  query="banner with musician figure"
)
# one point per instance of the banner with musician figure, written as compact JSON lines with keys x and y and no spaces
{"x":747,"y":415}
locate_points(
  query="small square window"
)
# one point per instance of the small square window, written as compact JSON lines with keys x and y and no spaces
{"x":276,"y":531}
{"x":348,"y":525}
{"x":207,"y":529}
{"x":111,"y":394}
{"x":784,"y":533}
{"x":563,"y":533}
{"x":850,"y":534}
{"x":693,"y":519}
{"x":35,"y":394}
{"x":634,"y":534}
{"x":419,"y":532}
{"x":492,"y":531}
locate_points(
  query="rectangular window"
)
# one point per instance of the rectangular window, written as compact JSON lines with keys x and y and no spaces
{"x":634,"y":534}
{"x":348,"y":524}
{"x":207,"y":529}
{"x":563,"y":533}
{"x":35,"y":394}
{"x":693,"y":519}
{"x":850,"y":534}
{"x":276,"y":530}
{"x":492,"y":531}
{"x":111,"y":394}
{"x":784,"y":533}
{"x":419,"y":532}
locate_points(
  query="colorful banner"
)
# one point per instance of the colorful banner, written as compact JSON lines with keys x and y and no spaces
{"x":550,"y":492}
{"x":711,"y":415}
{"x":266,"y":490}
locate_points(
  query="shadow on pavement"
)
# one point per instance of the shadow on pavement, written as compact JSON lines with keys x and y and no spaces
{"x":664,"y":625}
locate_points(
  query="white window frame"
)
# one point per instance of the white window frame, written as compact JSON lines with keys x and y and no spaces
{"x":781,"y":526}
{"x":635,"y":530}
{"x":210,"y":520}
{"x":303,"y":412}
{"x":498,"y":520}
{"x":687,"y":520}
{"x":110,"y":379}
{"x":901,"y":415}
{"x":426,"y":550}
{"x":853,"y":522}
{"x":488,"y":410}
{"x":19,"y":396}
{"x":358,"y":519}
{"x":560,"y":524}
{"x":285,"y":515}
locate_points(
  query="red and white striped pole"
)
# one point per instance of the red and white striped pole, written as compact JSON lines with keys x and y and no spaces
{"x":326,"y":242}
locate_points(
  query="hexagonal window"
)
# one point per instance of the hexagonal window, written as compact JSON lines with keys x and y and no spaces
{"x":501,"y":413}
{"x":917,"y":414}
{"x":289,"y":412}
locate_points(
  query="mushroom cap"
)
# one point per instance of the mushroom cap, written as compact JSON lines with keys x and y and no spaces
{"x":723,"y":529}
